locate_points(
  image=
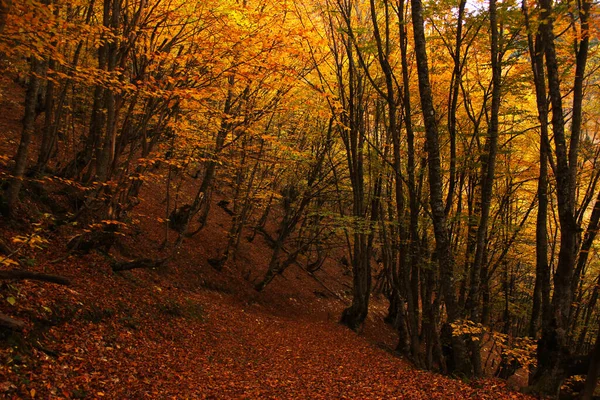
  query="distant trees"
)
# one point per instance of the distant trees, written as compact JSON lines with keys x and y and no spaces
{"x":466,"y":215}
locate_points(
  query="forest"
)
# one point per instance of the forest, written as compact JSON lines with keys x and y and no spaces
{"x":439,"y":159}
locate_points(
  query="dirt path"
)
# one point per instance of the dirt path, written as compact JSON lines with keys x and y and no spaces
{"x":135,"y":336}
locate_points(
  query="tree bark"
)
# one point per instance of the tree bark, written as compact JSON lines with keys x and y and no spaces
{"x":541,"y":291}
{"x":442,"y":239}
{"x":553,"y":346}
{"x":21,"y":158}
{"x":488,"y":174}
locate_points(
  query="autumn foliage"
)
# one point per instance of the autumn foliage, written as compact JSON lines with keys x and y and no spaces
{"x":194,"y":194}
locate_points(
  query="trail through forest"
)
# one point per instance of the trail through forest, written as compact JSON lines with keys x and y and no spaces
{"x":130,"y":338}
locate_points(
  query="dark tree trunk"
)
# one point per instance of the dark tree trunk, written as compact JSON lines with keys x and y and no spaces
{"x":413,"y":232}
{"x":488,"y":174}
{"x":442,"y":239}
{"x":354,"y":141}
{"x":553,"y":347}
{"x":49,"y":130}
{"x":541,"y":291}
{"x":21,"y":158}
{"x":453,"y":103}
{"x":107,"y":145}
{"x":409,"y":269}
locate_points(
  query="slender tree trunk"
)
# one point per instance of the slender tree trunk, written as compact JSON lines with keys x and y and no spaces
{"x":553,"y":348}
{"x":488,"y":175}
{"x":21,"y":158}
{"x":48,"y":130}
{"x":410,"y":273}
{"x":453,"y":104}
{"x":354,"y":141}
{"x":443,"y":244}
{"x":413,"y":231}
{"x":107,"y":149}
{"x":541,"y":291}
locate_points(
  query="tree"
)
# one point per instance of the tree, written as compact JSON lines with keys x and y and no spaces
{"x":442,"y":238}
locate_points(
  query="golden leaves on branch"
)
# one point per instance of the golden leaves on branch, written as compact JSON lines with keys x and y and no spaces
{"x":520,"y":349}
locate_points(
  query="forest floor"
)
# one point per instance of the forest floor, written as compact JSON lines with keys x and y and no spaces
{"x":185,"y":330}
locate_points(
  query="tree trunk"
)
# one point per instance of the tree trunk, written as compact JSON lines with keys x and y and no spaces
{"x":442,"y":239}
{"x":107,"y":150}
{"x":487,"y":178}
{"x":541,"y":291}
{"x":21,"y":160}
{"x":553,"y":346}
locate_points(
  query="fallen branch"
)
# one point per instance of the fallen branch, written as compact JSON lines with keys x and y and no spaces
{"x":62,"y":258}
{"x":118,"y":266}
{"x":49,"y":352}
{"x":11,"y":323}
{"x":320,"y":282}
{"x":5,"y":248}
{"x":35,"y":276}
{"x":270,"y":241}
{"x":224,"y":205}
